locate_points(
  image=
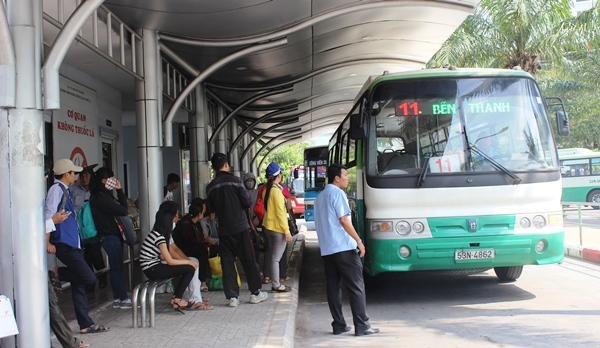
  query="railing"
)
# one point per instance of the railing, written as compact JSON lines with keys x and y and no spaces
{"x":174,"y":82}
{"x":580,"y":224}
{"x":103,"y":33}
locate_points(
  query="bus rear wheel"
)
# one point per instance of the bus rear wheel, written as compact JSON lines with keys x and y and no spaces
{"x":508,"y":274}
{"x":594,"y":197}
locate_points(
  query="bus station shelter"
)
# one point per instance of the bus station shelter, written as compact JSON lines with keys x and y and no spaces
{"x":150,"y":87}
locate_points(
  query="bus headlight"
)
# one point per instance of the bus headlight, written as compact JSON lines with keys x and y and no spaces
{"x":525,"y":222}
{"x":404,"y":251}
{"x":539,"y":221}
{"x":540,"y":246}
{"x":403,"y":228}
{"x":418,"y":227}
{"x":381,"y":226}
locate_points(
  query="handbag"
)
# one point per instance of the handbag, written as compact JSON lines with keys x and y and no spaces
{"x":293,"y":227}
{"x":217,"y":272}
{"x":126,"y":228}
{"x":215,"y":266}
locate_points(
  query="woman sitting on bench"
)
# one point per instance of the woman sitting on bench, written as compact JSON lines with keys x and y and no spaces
{"x":155,"y":251}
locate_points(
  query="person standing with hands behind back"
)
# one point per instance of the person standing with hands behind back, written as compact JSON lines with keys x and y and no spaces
{"x":341,"y":249}
{"x":230,"y":200}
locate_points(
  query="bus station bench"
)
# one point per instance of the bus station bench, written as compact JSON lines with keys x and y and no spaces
{"x":146,"y":291}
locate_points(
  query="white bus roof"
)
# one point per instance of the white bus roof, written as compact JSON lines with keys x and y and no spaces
{"x":575,"y":153}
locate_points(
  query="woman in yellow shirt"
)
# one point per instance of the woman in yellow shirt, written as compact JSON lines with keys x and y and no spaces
{"x":275,"y":224}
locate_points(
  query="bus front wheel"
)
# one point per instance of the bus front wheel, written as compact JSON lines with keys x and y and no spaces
{"x":594,"y":197}
{"x":508,"y":274}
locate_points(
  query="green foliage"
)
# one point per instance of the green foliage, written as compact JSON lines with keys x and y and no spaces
{"x":286,"y":156}
{"x":539,"y":36}
{"x":508,"y":33}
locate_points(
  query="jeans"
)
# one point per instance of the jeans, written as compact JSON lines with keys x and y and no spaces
{"x":193,"y":291}
{"x":113,"y":245}
{"x":78,"y":273}
{"x":277,"y":246}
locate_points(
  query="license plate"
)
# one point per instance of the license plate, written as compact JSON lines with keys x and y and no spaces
{"x":479,"y":254}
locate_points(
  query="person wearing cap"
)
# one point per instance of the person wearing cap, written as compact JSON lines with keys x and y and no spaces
{"x":93,"y":249}
{"x":341,"y":249}
{"x":230,"y":200}
{"x":66,"y":244}
{"x":275,"y":224}
{"x":58,"y":322}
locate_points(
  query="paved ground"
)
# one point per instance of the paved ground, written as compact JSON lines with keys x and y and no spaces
{"x":267,"y":324}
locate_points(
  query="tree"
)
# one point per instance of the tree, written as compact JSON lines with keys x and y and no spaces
{"x":286,"y":156}
{"x":539,"y":36}
{"x":577,"y":80}
{"x":509,"y":33}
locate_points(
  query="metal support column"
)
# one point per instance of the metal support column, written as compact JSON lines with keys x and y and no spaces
{"x":147,"y":94}
{"x":221,"y":142}
{"x":22,"y":131}
{"x":199,"y":160}
{"x":235,"y":156}
{"x":245,"y":161}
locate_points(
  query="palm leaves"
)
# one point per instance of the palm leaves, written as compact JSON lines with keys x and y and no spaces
{"x":509,"y":33}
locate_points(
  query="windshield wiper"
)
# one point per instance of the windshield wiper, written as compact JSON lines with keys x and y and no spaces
{"x":516,"y":179}
{"x":423,"y":173}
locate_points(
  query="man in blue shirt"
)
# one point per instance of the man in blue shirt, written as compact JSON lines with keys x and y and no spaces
{"x":341,"y":249}
{"x":64,"y":241}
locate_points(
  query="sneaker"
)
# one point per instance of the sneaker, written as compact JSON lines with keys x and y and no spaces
{"x":126,"y":304}
{"x":117,"y":304}
{"x":234,"y":302}
{"x":254,"y":299}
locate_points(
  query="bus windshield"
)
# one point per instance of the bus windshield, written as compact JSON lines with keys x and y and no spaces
{"x":453,"y":125}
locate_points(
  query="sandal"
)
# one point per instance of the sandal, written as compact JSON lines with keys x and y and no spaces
{"x":204,"y":288}
{"x":284,"y":279}
{"x":177,"y":307}
{"x":283,"y":288}
{"x":266,"y":280}
{"x":201,"y":306}
{"x":94,"y":328}
{"x":56,"y":283}
{"x":83,"y":345}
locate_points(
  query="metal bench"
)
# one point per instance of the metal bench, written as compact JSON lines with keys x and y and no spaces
{"x":146,"y":290}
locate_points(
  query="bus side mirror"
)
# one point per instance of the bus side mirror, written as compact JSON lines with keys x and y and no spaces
{"x":562,"y":119}
{"x":359,"y":126}
{"x":562,"y":123}
{"x":295,"y":173}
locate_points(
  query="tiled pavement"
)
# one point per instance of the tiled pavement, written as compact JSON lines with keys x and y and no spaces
{"x":267,"y":324}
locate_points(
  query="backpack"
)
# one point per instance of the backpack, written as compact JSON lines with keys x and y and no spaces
{"x":259,"y":208}
{"x":85,"y":221}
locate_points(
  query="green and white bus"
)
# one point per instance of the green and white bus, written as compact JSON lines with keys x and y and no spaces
{"x":453,"y":169}
{"x":580,"y":170}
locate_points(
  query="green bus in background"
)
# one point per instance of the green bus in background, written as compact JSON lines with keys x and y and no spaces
{"x":580,"y":170}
